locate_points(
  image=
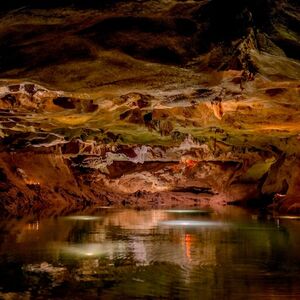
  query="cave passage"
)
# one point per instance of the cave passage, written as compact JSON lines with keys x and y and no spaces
{"x":149,"y":149}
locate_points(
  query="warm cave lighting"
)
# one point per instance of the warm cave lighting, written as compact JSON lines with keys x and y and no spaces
{"x":33,"y":226}
{"x":83,"y":218}
{"x":32,"y":182}
{"x":190,"y":223}
{"x":190,"y":163}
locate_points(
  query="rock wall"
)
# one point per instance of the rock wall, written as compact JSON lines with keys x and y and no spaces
{"x":141,"y":102}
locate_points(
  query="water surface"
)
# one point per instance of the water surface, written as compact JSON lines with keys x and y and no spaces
{"x":112,"y":253}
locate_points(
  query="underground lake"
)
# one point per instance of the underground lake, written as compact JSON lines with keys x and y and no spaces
{"x":115,"y":253}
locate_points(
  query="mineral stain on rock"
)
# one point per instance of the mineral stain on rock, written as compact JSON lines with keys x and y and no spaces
{"x":149,"y":101}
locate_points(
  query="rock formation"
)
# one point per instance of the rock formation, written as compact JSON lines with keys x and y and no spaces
{"x":148,"y":102}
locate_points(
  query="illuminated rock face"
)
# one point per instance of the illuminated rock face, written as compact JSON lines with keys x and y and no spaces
{"x":150,"y":102}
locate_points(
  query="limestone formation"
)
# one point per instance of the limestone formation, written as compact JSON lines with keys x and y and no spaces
{"x":149,"y":102}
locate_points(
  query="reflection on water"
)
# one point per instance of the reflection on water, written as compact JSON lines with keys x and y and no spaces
{"x":82,"y":218}
{"x":188,"y":211}
{"x":176,"y":254}
{"x":191,"y":223}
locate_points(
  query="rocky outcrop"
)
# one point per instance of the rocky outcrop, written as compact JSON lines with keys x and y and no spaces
{"x":128,"y":102}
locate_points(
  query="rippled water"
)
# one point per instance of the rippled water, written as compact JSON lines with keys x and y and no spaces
{"x":110,"y":253}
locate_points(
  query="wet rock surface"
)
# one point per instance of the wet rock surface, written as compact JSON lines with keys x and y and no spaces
{"x":144,"y":102}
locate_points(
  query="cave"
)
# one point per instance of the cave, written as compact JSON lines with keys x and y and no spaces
{"x":150,"y":149}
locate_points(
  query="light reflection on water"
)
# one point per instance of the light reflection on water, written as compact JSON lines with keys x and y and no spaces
{"x":191,"y":223}
{"x":82,"y":218}
{"x":182,"y":254}
{"x":188,"y":211}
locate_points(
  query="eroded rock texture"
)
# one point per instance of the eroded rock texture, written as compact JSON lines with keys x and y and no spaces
{"x":149,"y":102}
